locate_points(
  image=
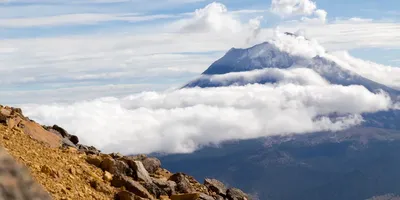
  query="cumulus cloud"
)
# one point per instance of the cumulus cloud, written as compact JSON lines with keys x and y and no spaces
{"x":298,"y":45}
{"x":216,"y":18}
{"x":185,"y":120}
{"x":289,"y":8}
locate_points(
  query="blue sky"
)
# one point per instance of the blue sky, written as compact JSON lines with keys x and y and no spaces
{"x":58,"y":50}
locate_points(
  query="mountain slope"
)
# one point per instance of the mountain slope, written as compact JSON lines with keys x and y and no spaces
{"x":69,"y":170}
{"x":355,"y":164}
{"x":268,"y":55}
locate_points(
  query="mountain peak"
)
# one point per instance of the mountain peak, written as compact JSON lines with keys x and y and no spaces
{"x":260,"y":56}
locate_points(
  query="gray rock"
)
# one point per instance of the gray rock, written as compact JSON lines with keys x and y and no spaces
{"x":74,"y":139}
{"x":236,"y":194}
{"x":67,"y":143}
{"x":151,"y":164}
{"x":140,"y":173}
{"x":61,"y":131}
{"x":131,"y":185}
{"x":168,"y":186}
{"x":182,"y":183}
{"x":215,"y":186}
{"x":116,"y":167}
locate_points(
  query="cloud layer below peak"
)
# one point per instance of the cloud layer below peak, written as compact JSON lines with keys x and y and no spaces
{"x":182,"y":121}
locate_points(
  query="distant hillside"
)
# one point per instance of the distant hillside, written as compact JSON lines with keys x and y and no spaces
{"x":356,"y":164}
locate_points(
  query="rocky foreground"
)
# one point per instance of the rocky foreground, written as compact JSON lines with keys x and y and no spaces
{"x":68,"y":170}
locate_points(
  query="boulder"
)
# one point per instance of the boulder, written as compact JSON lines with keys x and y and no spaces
{"x":74,"y":139}
{"x":151,"y":164}
{"x":94,"y":160}
{"x":67,"y":143}
{"x":16,"y":111}
{"x":130,"y":185}
{"x":236,"y":194}
{"x":5,"y":113}
{"x":60,"y":130}
{"x":155,"y":190}
{"x":13,"y":122}
{"x":139,"y":172}
{"x":182,"y":183}
{"x":137,"y":189}
{"x":38,"y":133}
{"x":95,"y":184}
{"x":192,"y":196}
{"x":89,"y":150}
{"x":116,"y":167}
{"x":168,"y":186}
{"x":116,"y":155}
{"x":118,"y":181}
{"x":216,"y":186}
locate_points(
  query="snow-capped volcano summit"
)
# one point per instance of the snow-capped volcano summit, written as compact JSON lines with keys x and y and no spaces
{"x":268,"y":61}
{"x":264,"y":55}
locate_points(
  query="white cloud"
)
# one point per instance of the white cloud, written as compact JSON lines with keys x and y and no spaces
{"x":289,"y":8}
{"x":76,"y":19}
{"x":350,"y":34}
{"x":386,"y":75}
{"x":298,"y":76}
{"x":293,"y":7}
{"x":185,"y":120}
{"x":216,"y":18}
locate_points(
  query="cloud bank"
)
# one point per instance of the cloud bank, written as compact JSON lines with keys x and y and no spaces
{"x":182,"y":121}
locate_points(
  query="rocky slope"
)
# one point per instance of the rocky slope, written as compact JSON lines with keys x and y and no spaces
{"x":69,"y":170}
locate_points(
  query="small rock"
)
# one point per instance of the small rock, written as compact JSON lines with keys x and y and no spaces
{"x":94,"y":160}
{"x":107,"y":176}
{"x":154,"y":189}
{"x":131,"y":186}
{"x":182,"y":183}
{"x":67,"y":143}
{"x":118,"y":181}
{"x":116,"y":167}
{"x":192,"y":196}
{"x":116,"y":155}
{"x":151,"y":164}
{"x":215,"y":186}
{"x":98,"y":186}
{"x":140,"y":172}
{"x":15,"y":111}
{"x":74,"y":139}
{"x":72,"y":170}
{"x":47,"y":170}
{"x":168,"y":186}
{"x":236,"y":194}
{"x":62,"y":131}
